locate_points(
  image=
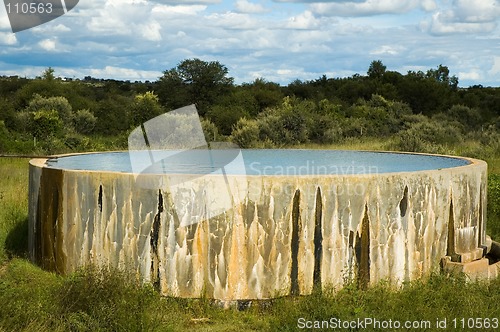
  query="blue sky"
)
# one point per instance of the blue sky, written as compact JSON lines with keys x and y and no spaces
{"x":280,"y":40}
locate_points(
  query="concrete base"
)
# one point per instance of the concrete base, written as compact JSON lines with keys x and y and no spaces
{"x":475,"y":270}
{"x":468,"y":257}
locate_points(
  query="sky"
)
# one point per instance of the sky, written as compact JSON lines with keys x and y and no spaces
{"x":278,"y":40}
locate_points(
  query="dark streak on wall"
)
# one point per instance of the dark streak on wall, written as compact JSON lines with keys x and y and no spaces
{"x":318,"y":240}
{"x":450,"y":249}
{"x":294,"y":274}
{"x":403,"y":204}
{"x":99,"y":198}
{"x":155,"y":231}
{"x":363,"y":252}
{"x":49,"y":221}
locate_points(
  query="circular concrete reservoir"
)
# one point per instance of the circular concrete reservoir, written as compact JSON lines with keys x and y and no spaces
{"x":257,"y":224}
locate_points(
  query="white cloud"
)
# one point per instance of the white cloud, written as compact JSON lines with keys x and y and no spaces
{"x":179,"y":2}
{"x":387,"y":50}
{"x":51,"y":28}
{"x":276,"y":40}
{"x":48,"y":45}
{"x":474,"y":75}
{"x":305,"y":20}
{"x":168,"y":11}
{"x":151,"y":31}
{"x":244,"y":6}
{"x":476,"y":11}
{"x":124,"y":73}
{"x":286,"y":74}
{"x":231,"y":20}
{"x":464,"y":16}
{"x":429,"y":5}
{"x":7,"y":38}
{"x":366,"y":8}
{"x":495,"y":69}
{"x":445,"y":23}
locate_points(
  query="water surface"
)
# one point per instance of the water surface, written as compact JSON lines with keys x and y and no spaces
{"x":255,"y":162}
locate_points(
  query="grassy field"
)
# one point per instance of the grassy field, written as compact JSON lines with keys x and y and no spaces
{"x":35,"y":300}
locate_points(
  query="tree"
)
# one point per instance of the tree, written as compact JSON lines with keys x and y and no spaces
{"x":442,"y":75}
{"x":470,"y":118}
{"x":58,"y":104}
{"x":225,"y":117}
{"x":48,"y":74}
{"x":84,"y":121}
{"x":424,"y":94}
{"x":145,"y":107}
{"x":46,"y":124}
{"x":376,"y":69}
{"x":112,"y":115}
{"x":194,"y":81}
{"x":265,"y":94}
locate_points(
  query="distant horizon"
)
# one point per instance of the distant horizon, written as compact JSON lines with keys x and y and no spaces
{"x":145,"y":81}
{"x":278,"y":40}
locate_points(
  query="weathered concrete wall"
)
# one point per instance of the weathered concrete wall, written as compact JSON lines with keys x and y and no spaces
{"x":286,"y":235}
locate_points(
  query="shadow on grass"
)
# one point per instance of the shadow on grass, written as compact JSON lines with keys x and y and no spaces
{"x":16,"y":243}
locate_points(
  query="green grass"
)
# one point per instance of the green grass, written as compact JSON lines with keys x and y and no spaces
{"x":92,"y":300}
{"x":101,"y":300}
{"x":13,"y":206}
{"x":354,"y":143}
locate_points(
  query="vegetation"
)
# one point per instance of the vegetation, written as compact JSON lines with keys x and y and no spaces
{"x":416,"y":111}
{"x":34,"y":300}
{"x":104,"y":300}
{"x":384,"y":110}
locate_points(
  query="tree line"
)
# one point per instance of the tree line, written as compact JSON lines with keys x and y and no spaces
{"x":418,"y":111}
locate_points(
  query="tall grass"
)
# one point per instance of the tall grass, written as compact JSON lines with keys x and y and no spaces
{"x":104,"y":300}
{"x":13,"y":207}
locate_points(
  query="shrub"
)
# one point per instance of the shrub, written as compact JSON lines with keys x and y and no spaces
{"x":288,"y":124}
{"x":493,"y":223}
{"x":246,"y":133}
{"x":4,"y":134}
{"x":490,"y":138}
{"x":77,"y":142}
{"x":84,"y":121}
{"x":210,"y":130}
{"x":58,"y":104}
{"x":427,"y":136}
{"x":470,"y":117}
{"x":145,"y":107}
{"x":45,"y":124}
{"x":225,"y":117}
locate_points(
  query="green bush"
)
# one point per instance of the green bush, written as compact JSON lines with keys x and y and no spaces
{"x":46,"y":124}
{"x":210,"y":131}
{"x":246,"y":133}
{"x":77,"y":142}
{"x":470,"y":118}
{"x":490,"y":139}
{"x":225,"y":117}
{"x":428,"y":136}
{"x":493,"y":222}
{"x":58,"y":104}
{"x":145,"y":107}
{"x":84,"y":121}
{"x":4,"y":137}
